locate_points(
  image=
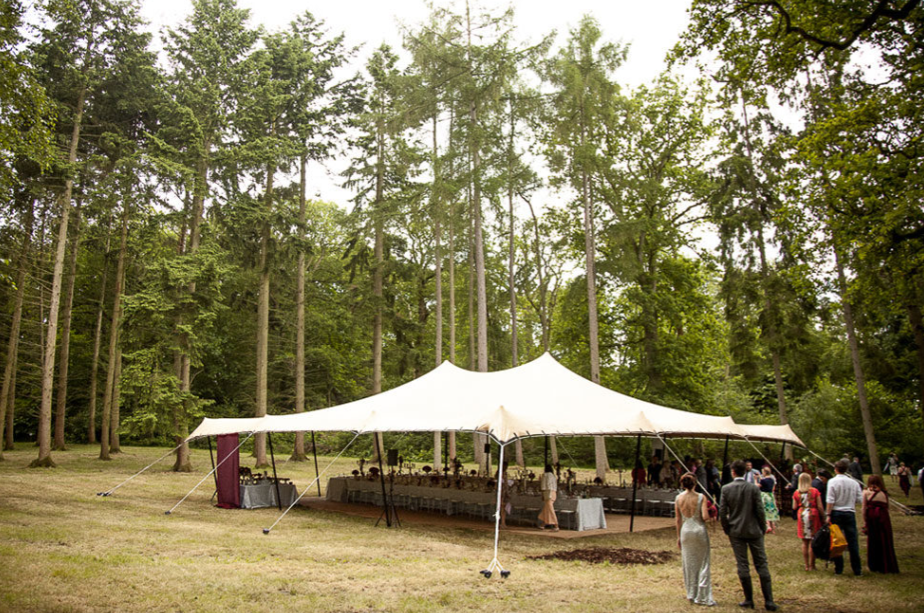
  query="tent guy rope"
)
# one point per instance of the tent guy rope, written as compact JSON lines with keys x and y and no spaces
{"x":110,"y":491}
{"x":316,"y":479}
{"x":209,"y":474}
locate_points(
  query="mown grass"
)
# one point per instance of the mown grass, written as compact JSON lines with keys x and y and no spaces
{"x":62,"y":548}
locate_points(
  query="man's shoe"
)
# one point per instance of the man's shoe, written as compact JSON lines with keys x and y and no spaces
{"x":748,"y":588}
{"x":766,"y":588}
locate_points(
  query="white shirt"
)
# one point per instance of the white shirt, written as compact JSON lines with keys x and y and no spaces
{"x":844,"y":494}
{"x":548,"y":482}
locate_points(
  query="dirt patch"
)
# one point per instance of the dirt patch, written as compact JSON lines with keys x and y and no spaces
{"x":599,"y":555}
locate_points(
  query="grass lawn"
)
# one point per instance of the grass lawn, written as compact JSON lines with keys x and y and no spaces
{"x":63,"y":548}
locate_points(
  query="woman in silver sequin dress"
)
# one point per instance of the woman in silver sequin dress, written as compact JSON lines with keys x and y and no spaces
{"x":693,"y":541}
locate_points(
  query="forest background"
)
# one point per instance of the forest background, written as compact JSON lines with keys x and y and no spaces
{"x":742,"y":235}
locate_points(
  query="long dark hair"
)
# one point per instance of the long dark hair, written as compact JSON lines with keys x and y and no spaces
{"x":688,"y":481}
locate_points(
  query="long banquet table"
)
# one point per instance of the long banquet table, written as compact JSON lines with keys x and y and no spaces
{"x":582,"y":513}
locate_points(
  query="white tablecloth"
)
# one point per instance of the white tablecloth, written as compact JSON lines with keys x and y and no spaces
{"x":264,"y":495}
{"x":588,"y":512}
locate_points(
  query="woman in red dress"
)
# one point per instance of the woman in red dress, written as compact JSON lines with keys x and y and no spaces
{"x":810,"y":514}
{"x":877,"y":525}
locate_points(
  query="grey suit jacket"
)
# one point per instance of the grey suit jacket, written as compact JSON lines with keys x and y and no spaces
{"x":741,"y":510}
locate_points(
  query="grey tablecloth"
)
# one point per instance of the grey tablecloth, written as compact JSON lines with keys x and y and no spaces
{"x":264,"y":495}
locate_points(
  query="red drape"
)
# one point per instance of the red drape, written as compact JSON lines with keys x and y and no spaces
{"x":229,"y":483}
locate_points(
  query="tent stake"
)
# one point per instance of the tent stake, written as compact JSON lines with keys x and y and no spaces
{"x":638,"y":450}
{"x":269,"y":439}
{"x":317,"y":475}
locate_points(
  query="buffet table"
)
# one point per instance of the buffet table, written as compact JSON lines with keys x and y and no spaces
{"x":582,"y":513}
{"x":258,"y":495}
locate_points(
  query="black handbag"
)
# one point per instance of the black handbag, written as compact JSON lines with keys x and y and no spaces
{"x":821,"y":543}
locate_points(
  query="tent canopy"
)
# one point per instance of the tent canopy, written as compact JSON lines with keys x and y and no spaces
{"x":539,"y":398}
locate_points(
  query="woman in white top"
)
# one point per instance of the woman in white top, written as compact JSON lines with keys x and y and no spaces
{"x":548,"y":485}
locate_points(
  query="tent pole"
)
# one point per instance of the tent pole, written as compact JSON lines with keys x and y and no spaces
{"x":495,"y":564}
{"x":638,"y":450}
{"x":214,"y":474}
{"x":782,"y":452}
{"x":385,"y":505}
{"x":317,"y":475}
{"x":725,"y":455}
{"x":269,"y":439}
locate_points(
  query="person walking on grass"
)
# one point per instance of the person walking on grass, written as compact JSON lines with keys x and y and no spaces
{"x":904,"y":479}
{"x":768,"y":496}
{"x":548,"y":485}
{"x":855,"y":470}
{"x":844,"y":494}
{"x":693,"y":542}
{"x":808,"y":504}
{"x":741,"y":512}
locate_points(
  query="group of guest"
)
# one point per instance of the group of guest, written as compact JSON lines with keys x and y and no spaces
{"x":746,"y":516}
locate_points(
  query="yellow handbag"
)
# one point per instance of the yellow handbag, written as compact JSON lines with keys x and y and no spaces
{"x":838,"y":542}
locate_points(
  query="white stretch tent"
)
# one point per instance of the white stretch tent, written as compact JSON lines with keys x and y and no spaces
{"x":539,"y":398}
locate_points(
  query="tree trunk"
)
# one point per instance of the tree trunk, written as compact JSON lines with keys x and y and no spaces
{"x":865,"y":414}
{"x":12,"y":351}
{"x":298,"y":452}
{"x":917,"y":326}
{"x":59,"y":443}
{"x":8,"y":441}
{"x":452,"y":282}
{"x":514,"y":358}
{"x":114,"y":446}
{"x":437,"y":281}
{"x":97,"y":342}
{"x":51,"y":333}
{"x":378,"y":275}
{"x":601,"y":461}
{"x":765,"y":277}
{"x":259,"y":446}
{"x":106,"y":420}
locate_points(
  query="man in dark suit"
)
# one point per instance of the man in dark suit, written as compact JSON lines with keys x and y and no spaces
{"x":741,"y":512}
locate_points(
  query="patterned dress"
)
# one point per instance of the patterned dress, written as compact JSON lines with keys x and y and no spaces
{"x":807,"y":506}
{"x":767,"y":485}
{"x":694,"y":545}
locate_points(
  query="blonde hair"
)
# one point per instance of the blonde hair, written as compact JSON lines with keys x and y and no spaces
{"x":766,"y":470}
{"x":805,"y":482}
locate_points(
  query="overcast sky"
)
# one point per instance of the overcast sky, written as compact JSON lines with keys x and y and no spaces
{"x":649,"y":29}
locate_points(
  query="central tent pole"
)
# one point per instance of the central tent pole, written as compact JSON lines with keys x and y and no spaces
{"x":638,"y":450}
{"x":385,"y":504}
{"x":725,"y":456}
{"x":269,"y":439}
{"x":317,"y":475}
